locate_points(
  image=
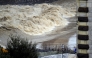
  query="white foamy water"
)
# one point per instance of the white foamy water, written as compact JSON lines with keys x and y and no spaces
{"x":72,"y":42}
{"x":33,"y":20}
{"x":36,"y":21}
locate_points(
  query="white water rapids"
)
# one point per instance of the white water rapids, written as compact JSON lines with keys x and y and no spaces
{"x":37,"y":22}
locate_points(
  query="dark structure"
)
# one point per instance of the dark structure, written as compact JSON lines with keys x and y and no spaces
{"x":81,"y":38}
{"x":24,"y":2}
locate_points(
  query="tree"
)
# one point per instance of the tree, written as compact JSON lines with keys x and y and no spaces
{"x":19,"y":48}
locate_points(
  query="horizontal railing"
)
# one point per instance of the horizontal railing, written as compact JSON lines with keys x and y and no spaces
{"x":53,"y":49}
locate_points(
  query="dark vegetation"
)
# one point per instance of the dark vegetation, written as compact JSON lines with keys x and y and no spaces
{"x":18,"y":48}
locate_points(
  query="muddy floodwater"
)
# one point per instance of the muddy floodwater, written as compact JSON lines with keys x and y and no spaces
{"x":45,"y":23}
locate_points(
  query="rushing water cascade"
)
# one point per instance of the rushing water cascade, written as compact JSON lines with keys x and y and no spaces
{"x":34,"y":20}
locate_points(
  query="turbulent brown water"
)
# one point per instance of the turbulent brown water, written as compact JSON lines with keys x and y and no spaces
{"x":39,"y":22}
{"x":33,"y":20}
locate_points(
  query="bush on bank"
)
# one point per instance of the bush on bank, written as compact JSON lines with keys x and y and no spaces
{"x":18,"y":48}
